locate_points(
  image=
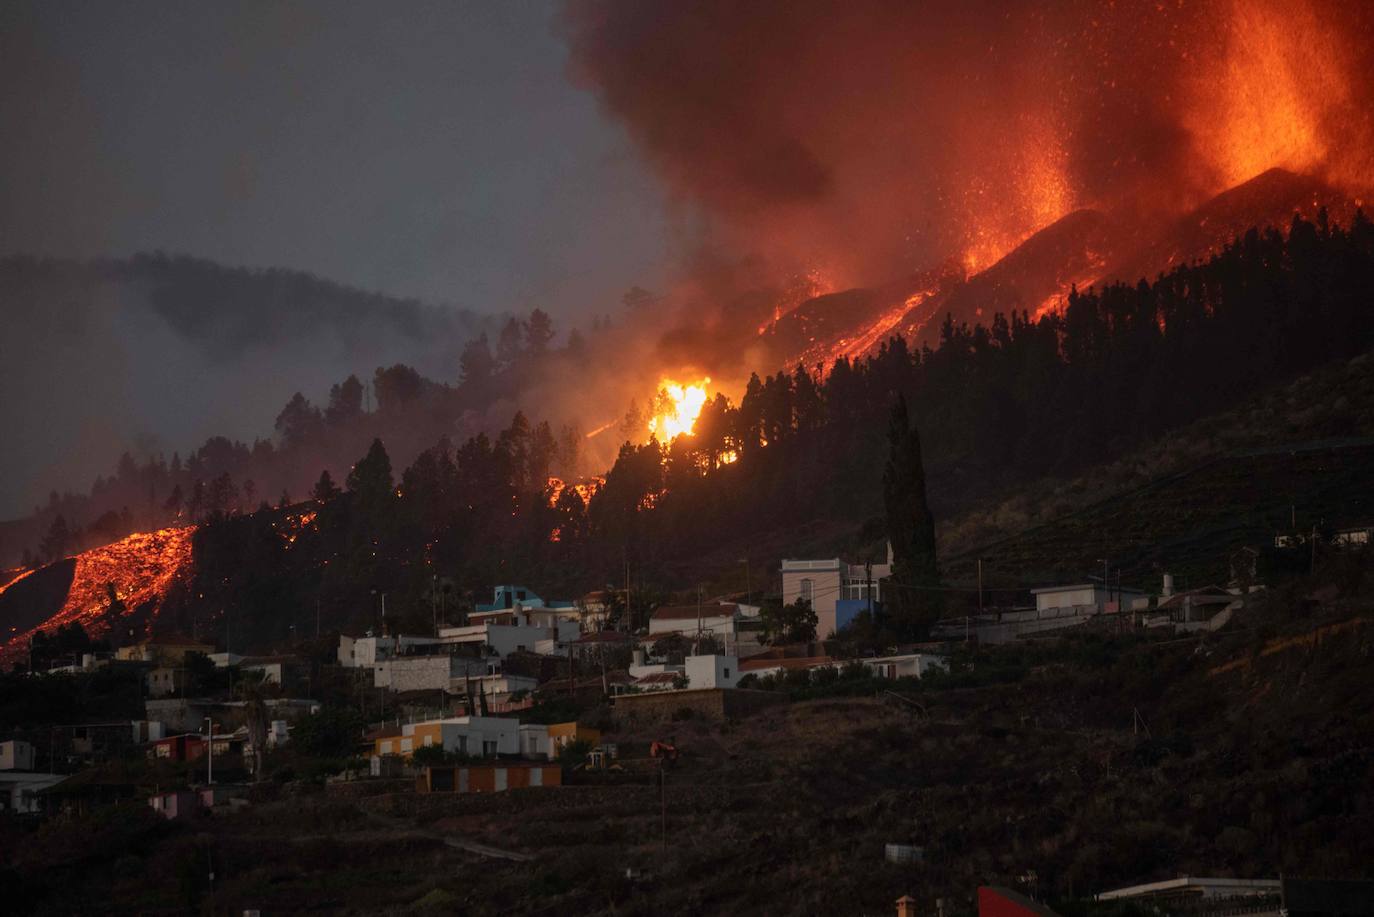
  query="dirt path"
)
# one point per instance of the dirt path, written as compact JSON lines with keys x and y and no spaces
{"x":459,"y":843}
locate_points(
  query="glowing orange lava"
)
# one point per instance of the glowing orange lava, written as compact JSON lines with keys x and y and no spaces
{"x":1281,"y":96}
{"x":142,"y":568}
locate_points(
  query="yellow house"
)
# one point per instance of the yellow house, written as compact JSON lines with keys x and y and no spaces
{"x":562,"y":735}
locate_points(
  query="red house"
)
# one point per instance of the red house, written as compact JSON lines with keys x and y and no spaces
{"x":186,"y":747}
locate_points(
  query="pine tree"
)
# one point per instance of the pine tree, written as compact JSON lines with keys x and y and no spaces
{"x":325,"y":488}
{"x":53,"y":547}
{"x":371,"y":477}
{"x":910,"y":525}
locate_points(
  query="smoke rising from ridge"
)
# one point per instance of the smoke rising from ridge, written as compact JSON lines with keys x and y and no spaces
{"x":869,"y":137}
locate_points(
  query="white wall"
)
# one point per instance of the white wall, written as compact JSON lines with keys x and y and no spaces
{"x":16,"y":755}
{"x":911,"y":665}
{"x":712,"y":671}
{"x":534,"y":741}
{"x":471,"y":734}
{"x":717,"y":625}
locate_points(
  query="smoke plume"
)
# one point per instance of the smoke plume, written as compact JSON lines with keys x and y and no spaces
{"x":868,"y":137}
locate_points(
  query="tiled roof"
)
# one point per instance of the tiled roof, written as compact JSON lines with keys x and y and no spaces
{"x":659,"y":678}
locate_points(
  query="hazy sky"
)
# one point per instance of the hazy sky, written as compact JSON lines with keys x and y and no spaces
{"x":426,"y":149}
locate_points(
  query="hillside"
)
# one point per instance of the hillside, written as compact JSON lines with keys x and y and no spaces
{"x":1300,"y":451}
{"x":1098,"y":763}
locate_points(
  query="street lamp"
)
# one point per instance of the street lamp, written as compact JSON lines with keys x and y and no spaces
{"x":748,"y":587}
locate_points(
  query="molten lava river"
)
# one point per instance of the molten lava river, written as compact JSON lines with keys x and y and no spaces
{"x":141,"y":567}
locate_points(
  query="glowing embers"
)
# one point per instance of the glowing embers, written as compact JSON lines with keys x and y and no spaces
{"x":675,"y":409}
{"x":293,"y":524}
{"x":584,"y":488}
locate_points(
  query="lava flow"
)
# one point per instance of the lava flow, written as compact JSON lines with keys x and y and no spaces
{"x":141,"y":568}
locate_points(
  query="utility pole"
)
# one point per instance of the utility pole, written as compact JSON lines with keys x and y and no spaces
{"x":748,"y":586}
{"x":210,"y":753}
{"x":868,"y":586}
{"x":980,"y":585}
{"x":317,"y":617}
{"x":434,"y":601}
{"x":697,"y":647}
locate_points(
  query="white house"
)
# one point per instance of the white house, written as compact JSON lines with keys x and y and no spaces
{"x":19,"y":790}
{"x":906,"y":665}
{"x":506,"y":637}
{"x":688,"y":620}
{"x":1084,"y":599}
{"x":498,"y":688}
{"x":712,"y":671}
{"x":16,"y":755}
{"x":837,"y":591}
{"x":368,"y":651}
{"x":225,"y":660}
{"x":429,"y":672}
{"x":534,"y":741}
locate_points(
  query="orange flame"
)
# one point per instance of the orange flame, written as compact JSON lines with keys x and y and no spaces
{"x":676,"y":408}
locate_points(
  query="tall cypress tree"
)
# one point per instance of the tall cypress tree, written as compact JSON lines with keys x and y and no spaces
{"x":910,"y":526}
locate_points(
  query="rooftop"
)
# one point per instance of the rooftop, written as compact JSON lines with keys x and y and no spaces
{"x":795,"y":662}
{"x":692,"y":612}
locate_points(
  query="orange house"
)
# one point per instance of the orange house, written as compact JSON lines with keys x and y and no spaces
{"x":487,"y":778}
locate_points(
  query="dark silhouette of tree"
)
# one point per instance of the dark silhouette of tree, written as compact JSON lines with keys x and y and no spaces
{"x":53,"y":547}
{"x":371,"y":477}
{"x":298,"y":422}
{"x":325,"y":489}
{"x":175,"y":503}
{"x":345,"y":401}
{"x":910,"y":525}
{"x":538,"y":332}
{"x":476,"y":366}
{"x":794,"y":623}
{"x":508,"y":344}
{"x":396,"y":386}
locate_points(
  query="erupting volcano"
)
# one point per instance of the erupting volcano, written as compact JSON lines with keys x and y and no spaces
{"x":905,"y":149}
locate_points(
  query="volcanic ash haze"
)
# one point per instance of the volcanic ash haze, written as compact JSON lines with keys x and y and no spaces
{"x":868,"y":139}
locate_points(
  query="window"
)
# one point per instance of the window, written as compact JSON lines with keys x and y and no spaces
{"x":806,"y":588}
{"x":727,"y":671}
{"x":429,"y":740}
{"x":386,"y":748}
{"x":488,"y":748}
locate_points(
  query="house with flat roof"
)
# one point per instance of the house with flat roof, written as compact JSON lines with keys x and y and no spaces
{"x":479,"y":736}
{"x":719,"y":620}
{"x":836,"y":590}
